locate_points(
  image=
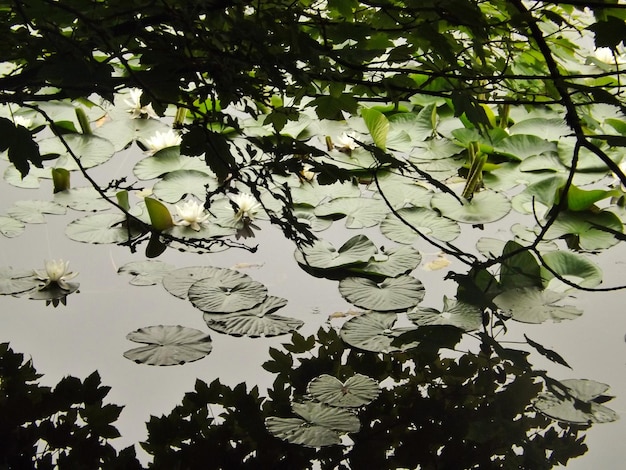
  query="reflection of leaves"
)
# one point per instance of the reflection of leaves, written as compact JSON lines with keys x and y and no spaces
{"x":550,"y":354}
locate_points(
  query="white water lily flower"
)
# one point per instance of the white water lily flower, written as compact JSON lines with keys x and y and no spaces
{"x":247,"y":206}
{"x":192,"y":215}
{"x":162,"y":140}
{"x":135,"y":109}
{"x":345,"y":143}
{"x":57,"y":272}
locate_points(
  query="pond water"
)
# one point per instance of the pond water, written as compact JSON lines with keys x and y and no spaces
{"x":89,"y":332}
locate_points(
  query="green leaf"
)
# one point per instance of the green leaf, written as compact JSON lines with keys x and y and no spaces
{"x":159,"y":214}
{"x":168,"y":345}
{"x":179,"y":281}
{"x":378,"y":126}
{"x":422,"y":220}
{"x":390,"y":295}
{"x":373,"y":331}
{"x":358,"y":390}
{"x":146,"y":273}
{"x":533,"y":305}
{"x":519,"y":270}
{"x":580,"y":199}
{"x":574,"y":267}
{"x":485,"y":207}
{"x":322,"y":255}
{"x":213,"y":295}
{"x":462,"y":315}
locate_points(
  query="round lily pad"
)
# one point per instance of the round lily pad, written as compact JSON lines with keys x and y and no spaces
{"x":10,"y":227}
{"x":358,"y":390}
{"x":168,"y":345}
{"x":166,"y":161}
{"x":533,"y":305}
{"x":360,"y":212}
{"x":179,"y":281}
{"x":419,"y":219}
{"x":373,"y":331}
{"x":571,"y":266}
{"x":101,"y":228}
{"x":53,"y":292}
{"x":90,"y":149}
{"x":178,"y":184}
{"x":32,"y":212}
{"x":485,"y":206}
{"x":220,"y":295}
{"x":587,"y":227}
{"x":460,"y":314}
{"x":82,"y":199}
{"x":15,"y":281}
{"x":323,"y":255}
{"x":391,"y":295}
{"x":146,"y":273}
{"x":299,"y":431}
{"x":392,"y":262}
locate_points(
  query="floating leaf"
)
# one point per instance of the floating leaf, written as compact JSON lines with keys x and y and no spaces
{"x":180,"y":280}
{"x":400,"y":191}
{"x":146,"y":273}
{"x":422,"y":220}
{"x":82,"y":199}
{"x":485,"y":207}
{"x":391,"y":295}
{"x":579,"y":407}
{"x":460,"y":314}
{"x":587,"y":226}
{"x":227,"y":296}
{"x":166,"y":161}
{"x":392,"y":262}
{"x":360,"y":212}
{"x":327,"y":416}
{"x":159,"y":214}
{"x":101,"y":228}
{"x":533,"y":305}
{"x":358,"y":390}
{"x":30,"y":181}
{"x":378,"y":126}
{"x":179,"y":184}
{"x":168,"y":345}
{"x":571,"y":266}
{"x":322,"y":255}
{"x":10,"y":227}
{"x":298,"y":431}
{"x":32,"y":212}
{"x":53,"y":292}
{"x":374,"y":332}
{"x":15,"y":281}
{"x":520,"y":269}
{"x":91,"y":150}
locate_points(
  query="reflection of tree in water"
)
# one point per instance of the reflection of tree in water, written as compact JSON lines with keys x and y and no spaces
{"x":472,"y":411}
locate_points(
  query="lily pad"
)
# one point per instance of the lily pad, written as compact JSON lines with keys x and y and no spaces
{"x":166,"y":161}
{"x":82,"y":199}
{"x":101,"y":228}
{"x":426,"y":221}
{"x":10,"y":227}
{"x":373,"y":331}
{"x":485,"y":207}
{"x":360,"y":212}
{"x":323,"y":255}
{"x":256,"y":322}
{"x":168,"y":345}
{"x":178,"y":184}
{"x":53,"y":293}
{"x":146,"y":273}
{"x":15,"y":281}
{"x":587,"y":226}
{"x":460,"y":314}
{"x":401,"y":191}
{"x":571,"y":266}
{"x":219,"y":295}
{"x":32,"y":212}
{"x":358,"y":390}
{"x":327,"y":416}
{"x":391,"y":295}
{"x":91,"y":150}
{"x":567,"y":409}
{"x":392,"y":262}
{"x":179,"y":281}
{"x":30,"y":181}
{"x":533,"y":305}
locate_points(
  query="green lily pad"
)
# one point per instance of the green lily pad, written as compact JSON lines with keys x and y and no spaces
{"x":146,"y":273}
{"x":53,"y":293}
{"x":168,"y":345}
{"x":312,"y":193}
{"x":30,"y":181}
{"x":306,"y":215}
{"x":550,"y":129}
{"x":460,"y":314}
{"x":587,"y":227}
{"x":323,"y":255}
{"x":571,"y":266}
{"x":533,"y":305}
{"x":435,"y":149}
{"x":373,"y":331}
{"x":10,"y":227}
{"x":166,"y":161}
{"x":91,"y":150}
{"x":121,"y":132}
{"x":15,"y":281}
{"x":299,"y":431}
{"x":219,"y":295}
{"x":328,"y":416}
{"x":391,"y":295}
{"x":82,"y":199}
{"x":32,"y":212}
{"x":358,"y":390}
{"x":486,"y":206}
{"x":522,"y":146}
{"x":566,"y":409}
{"x":179,"y":184}
{"x":426,"y":221}
{"x":101,"y":228}
{"x":179,"y":281}
{"x":360,"y":212}
{"x":392,"y":262}
{"x":401,"y":191}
